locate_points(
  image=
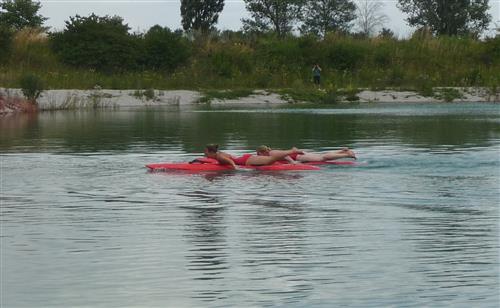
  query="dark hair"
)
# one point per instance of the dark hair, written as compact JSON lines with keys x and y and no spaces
{"x":212,"y":148}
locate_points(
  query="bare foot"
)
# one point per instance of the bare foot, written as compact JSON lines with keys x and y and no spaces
{"x":351,"y":154}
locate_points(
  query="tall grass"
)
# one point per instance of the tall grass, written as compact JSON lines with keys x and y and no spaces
{"x":237,"y":62}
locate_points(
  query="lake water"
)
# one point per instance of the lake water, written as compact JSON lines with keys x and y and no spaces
{"x":416,"y":224}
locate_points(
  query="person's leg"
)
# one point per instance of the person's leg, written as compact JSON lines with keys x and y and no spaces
{"x":316,"y":80}
{"x":306,"y":157}
{"x":344,"y":153}
{"x":256,"y":160}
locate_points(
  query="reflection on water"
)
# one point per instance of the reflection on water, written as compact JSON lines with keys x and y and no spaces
{"x":84,"y":224}
{"x":90,"y":131}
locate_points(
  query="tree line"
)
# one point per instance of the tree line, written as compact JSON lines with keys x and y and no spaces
{"x":441,"y":17}
{"x":318,"y":17}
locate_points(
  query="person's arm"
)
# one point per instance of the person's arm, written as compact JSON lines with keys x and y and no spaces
{"x":225,"y":160}
{"x":291,"y":160}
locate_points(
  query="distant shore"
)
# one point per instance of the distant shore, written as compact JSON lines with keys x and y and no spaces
{"x":72,"y":99}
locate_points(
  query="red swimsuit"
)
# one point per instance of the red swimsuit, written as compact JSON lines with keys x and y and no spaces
{"x":242,"y":160}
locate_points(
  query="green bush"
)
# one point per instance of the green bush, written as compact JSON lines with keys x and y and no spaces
{"x":100,"y":43}
{"x":277,"y":53}
{"x":491,"y":53}
{"x":449,"y":94}
{"x":165,"y":50}
{"x":31,"y":86}
{"x":346,"y":56}
{"x":6,"y":35}
{"x":382,"y":55}
{"x":230,"y":60}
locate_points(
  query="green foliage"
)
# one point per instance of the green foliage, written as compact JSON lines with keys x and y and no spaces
{"x":424,"y":85}
{"x":449,"y":94}
{"x":237,"y":60}
{"x":31,"y":86}
{"x":443,"y":17}
{"x":350,"y":93}
{"x":309,"y":95}
{"x":323,"y":16}
{"x":386,"y":33}
{"x":346,"y":55}
{"x":210,"y":95}
{"x":6,"y":35}
{"x":491,"y":53}
{"x":278,"y":15}
{"x":148,"y":94}
{"x":100,"y":43}
{"x":331,"y":96}
{"x":164,"y":50}
{"x":200,"y":15}
{"x":19,"y":14}
{"x":383,"y":55}
{"x":279,"y":53}
{"x":229,"y":60}
{"x":31,"y":50}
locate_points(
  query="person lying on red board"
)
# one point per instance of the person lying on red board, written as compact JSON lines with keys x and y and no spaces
{"x":304,"y":157}
{"x":212,"y":151}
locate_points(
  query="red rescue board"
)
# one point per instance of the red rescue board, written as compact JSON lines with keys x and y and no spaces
{"x":218,"y":167}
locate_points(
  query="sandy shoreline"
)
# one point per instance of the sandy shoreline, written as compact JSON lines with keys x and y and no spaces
{"x":104,"y":98}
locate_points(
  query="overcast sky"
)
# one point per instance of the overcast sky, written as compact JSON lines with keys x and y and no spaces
{"x":142,"y":14}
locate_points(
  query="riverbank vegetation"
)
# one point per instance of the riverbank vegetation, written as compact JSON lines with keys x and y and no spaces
{"x":101,"y":50}
{"x":233,"y":60}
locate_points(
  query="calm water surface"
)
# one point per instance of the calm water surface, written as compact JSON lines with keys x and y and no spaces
{"x":417,"y":224}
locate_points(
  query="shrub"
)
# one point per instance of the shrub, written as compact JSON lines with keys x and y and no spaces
{"x":30,"y":47}
{"x":424,"y":85}
{"x":491,"y":53}
{"x":346,"y":56}
{"x":31,"y":86}
{"x":396,"y":76}
{"x":387,"y":34}
{"x":449,"y":94}
{"x":100,"y":43}
{"x":148,"y":94}
{"x":164,"y":50}
{"x":6,"y":35}
{"x":382,"y":55}
{"x":277,"y":53}
{"x":331,"y":96}
{"x":230,"y":60}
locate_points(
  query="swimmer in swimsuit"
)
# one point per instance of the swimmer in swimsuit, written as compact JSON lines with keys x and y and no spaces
{"x":212,"y":151}
{"x":306,"y":157}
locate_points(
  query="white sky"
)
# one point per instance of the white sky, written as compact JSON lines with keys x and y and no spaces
{"x":142,"y":14}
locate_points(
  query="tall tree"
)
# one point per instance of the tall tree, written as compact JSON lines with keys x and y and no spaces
{"x":370,"y":16}
{"x":448,"y":17}
{"x":323,"y":16}
{"x":200,"y":15}
{"x":277,"y":15}
{"x":19,"y":14}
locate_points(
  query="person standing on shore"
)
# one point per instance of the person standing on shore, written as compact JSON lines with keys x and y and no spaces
{"x":316,"y":74}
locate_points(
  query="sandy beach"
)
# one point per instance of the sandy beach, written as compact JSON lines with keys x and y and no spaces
{"x":105,"y":98}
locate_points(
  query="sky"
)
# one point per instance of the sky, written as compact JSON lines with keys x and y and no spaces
{"x":140,"y":15}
